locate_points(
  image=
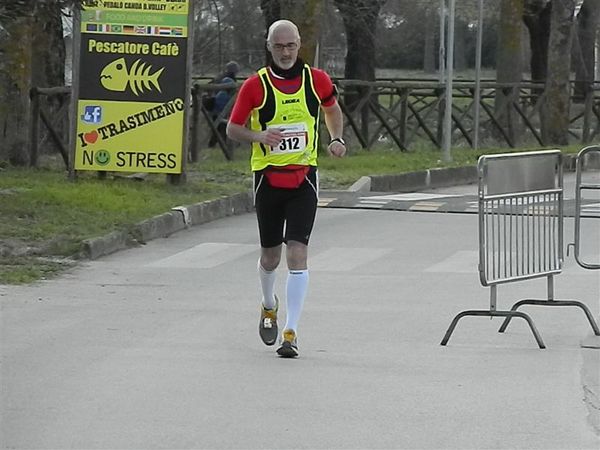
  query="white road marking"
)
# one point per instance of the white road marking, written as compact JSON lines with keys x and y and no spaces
{"x":410,"y":196}
{"x":343,"y":259}
{"x":464,"y":261}
{"x":205,"y":256}
{"x":426,"y":206}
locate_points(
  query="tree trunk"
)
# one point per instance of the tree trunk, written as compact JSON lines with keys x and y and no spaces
{"x":48,"y":64}
{"x":508,"y":62}
{"x":239,"y":39}
{"x":430,"y":53}
{"x":360,"y":23}
{"x":306,"y":15}
{"x":271,"y":10}
{"x":460,"y":46}
{"x":48,"y":68}
{"x":31,"y":54}
{"x":15,"y":81}
{"x":587,"y":26}
{"x":537,"y":20}
{"x":555,"y":111}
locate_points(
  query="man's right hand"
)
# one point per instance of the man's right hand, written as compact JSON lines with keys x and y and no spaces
{"x":271,"y":137}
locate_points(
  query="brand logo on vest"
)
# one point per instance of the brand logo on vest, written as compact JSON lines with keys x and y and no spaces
{"x":290,"y":100}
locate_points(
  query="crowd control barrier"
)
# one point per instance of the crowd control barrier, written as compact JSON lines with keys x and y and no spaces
{"x":581,"y":186}
{"x":520,"y":222}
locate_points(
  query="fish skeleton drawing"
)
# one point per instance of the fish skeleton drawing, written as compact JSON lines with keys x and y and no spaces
{"x":116,"y":77}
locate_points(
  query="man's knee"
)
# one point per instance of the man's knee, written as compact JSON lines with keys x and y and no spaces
{"x":296,"y":255}
{"x":270,"y":258}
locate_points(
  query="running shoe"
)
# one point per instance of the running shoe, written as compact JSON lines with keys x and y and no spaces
{"x":289,"y":344}
{"x":267,"y":328}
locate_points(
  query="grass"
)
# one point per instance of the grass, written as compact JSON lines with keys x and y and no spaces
{"x":44,"y":217}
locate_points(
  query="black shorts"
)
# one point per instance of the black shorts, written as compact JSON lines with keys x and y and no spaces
{"x":285,"y":214}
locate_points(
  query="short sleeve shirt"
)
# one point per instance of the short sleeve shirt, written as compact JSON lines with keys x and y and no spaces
{"x":250,"y":95}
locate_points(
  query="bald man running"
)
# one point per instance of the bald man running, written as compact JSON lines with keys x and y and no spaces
{"x":278,"y":110}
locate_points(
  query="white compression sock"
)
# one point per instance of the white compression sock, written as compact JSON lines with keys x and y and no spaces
{"x":267,"y":283}
{"x":297,"y":286}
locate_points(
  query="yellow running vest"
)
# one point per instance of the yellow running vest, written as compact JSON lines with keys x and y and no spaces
{"x":296,"y":114}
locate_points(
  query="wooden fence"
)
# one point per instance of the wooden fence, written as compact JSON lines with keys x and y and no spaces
{"x":406,"y":113}
{"x":402,"y":113}
{"x":51,"y":107}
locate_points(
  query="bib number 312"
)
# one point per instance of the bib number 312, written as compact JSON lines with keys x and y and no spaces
{"x":289,"y":144}
{"x":294,"y":140}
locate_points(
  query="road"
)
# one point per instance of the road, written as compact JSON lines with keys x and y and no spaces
{"x":157,"y":346}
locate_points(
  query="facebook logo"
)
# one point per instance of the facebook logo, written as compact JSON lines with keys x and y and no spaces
{"x":92,"y":114}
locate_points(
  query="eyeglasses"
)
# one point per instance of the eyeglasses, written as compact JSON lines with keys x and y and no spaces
{"x":291,"y":46}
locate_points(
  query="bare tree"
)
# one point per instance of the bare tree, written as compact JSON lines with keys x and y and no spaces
{"x":555,"y":112}
{"x":587,"y":27}
{"x":508,"y":60}
{"x":430,"y":52}
{"x":15,"y":80}
{"x":32,"y":53}
{"x":360,"y":23}
{"x":536,"y":17}
{"x":304,"y":13}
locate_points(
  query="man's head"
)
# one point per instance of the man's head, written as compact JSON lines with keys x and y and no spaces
{"x":283,"y":41}
{"x":232,"y":68}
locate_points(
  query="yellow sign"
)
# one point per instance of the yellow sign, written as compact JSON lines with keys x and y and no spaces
{"x":157,"y":6}
{"x":132,"y":85}
{"x":135,"y":137}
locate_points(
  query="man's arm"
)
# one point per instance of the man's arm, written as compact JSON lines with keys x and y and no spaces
{"x":334,"y":120}
{"x":249,"y":96}
{"x":240,"y":133}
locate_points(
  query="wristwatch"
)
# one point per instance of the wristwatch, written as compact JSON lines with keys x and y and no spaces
{"x":340,"y":140}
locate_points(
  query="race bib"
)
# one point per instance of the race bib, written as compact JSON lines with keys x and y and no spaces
{"x":295,"y":138}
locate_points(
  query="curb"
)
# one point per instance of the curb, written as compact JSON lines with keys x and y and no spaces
{"x":163,"y":225}
{"x":441,"y":177}
{"x":426,"y":179}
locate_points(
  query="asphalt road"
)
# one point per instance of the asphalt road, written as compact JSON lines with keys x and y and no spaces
{"x":157,"y":346}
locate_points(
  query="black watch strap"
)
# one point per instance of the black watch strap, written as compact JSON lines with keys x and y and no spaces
{"x":340,"y":140}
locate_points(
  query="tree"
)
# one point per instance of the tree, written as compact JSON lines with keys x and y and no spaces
{"x":423,"y":17}
{"x":15,"y":75}
{"x":508,"y":60}
{"x":31,"y":54}
{"x":555,"y":111}
{"x":536,"y":17}
{"x":227,"y":30}
{"x":304,"y":13}
{"x":429,"y":51}
{"x":360,"y":23}
{"x":587,"y":27}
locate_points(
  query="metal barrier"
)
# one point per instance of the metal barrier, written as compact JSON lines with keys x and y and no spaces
{"x":520,"y":230}
{"x":579,"y":187}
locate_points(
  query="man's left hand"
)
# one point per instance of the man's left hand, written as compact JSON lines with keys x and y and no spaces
{"x":336,"y":149}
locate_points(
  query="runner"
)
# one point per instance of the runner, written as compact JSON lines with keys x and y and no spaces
{"x":282,"y":103}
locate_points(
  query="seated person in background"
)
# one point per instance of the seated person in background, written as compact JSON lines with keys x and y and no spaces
{"x":221,"y":98}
